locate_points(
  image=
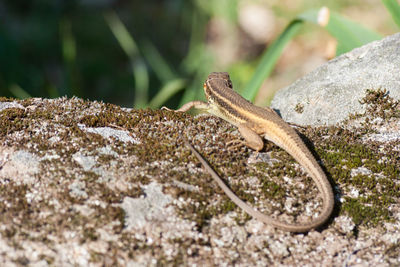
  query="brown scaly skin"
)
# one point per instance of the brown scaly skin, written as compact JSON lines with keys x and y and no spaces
{"x":253,"y":121}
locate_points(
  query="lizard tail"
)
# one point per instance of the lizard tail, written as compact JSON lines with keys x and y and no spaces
{"x":298,"y":228}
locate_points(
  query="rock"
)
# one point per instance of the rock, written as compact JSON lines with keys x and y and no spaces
{"x":5,"y":105}
{"x":330,"y":93}
{"x":91,"y":184}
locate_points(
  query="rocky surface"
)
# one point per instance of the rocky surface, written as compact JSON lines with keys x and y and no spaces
{"x":331,"y":93}
{"x":91,"y":184}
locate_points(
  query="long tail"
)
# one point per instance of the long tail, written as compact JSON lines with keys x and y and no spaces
{"x":317,"y":175}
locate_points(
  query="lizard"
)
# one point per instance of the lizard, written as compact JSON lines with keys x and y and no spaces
{"x":253,"y":121}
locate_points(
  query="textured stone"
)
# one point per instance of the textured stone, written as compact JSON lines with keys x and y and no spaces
{"x":73,"y":194}
{"x":330,"y":93}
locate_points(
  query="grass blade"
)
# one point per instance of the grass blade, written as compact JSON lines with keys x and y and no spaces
{"x":167,"y":91}
{"x":18,"y":92}
{"x":394,"y":9}
{"x":122,"y":35}
{"x":129,"y":46}
{"x":269,"y":59}
{"x":141,"y":77}
{"x":158,"y":64}
{"x":198,"y":60}
{"x":68,"y":46}
{"x":348,"y":34}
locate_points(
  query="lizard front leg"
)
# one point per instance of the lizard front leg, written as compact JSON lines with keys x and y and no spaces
{"x":192,"y":104}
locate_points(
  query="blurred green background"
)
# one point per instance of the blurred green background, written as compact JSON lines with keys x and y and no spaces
{"x":152,"y":53}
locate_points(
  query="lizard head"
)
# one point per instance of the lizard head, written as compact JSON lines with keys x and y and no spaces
{"x":215,"y":81}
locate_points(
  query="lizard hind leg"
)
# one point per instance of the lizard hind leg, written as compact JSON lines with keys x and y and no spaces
{"x":252,"y":139}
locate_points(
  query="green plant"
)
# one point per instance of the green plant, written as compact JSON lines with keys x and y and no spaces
{"x":394,"y":9}
{"x":67,"y":50}
{"x":348,"y":34}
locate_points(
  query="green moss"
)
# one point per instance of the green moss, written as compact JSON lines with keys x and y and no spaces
{"x":362,"y":214}
{"x":89,"y":234}
{"x":162,"y":156}
{"x":12,"y":120}
{"x":6,"y":99}
{"x":381,"y":104}
{"x":49,"y":260}
{"x":343,"y":150}
{"x":299,"y":108}
{"x":392,"y":250}
{"x":340,"y":149}
{"x":381,"y":191}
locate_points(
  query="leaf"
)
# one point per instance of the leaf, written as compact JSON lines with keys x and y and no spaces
{"x":394,"y":9}
{"x":128,"y":45}
{"x":18,"y":92}
{"x":168,"y":90}
{"x":269,"y":59}
{"x":348,"y":34}
{"x":158,"y":64}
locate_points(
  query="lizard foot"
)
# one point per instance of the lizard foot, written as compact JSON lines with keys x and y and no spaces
{"x":237,"y":143}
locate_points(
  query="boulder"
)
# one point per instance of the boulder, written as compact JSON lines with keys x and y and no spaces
{"x":330,"y":93}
